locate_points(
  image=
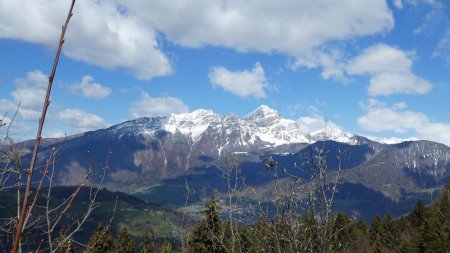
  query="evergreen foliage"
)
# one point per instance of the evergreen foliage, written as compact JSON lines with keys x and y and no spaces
{"x":166,"y":247}
{"x":124,"y":242}
{"x":149,"y":241}
{"x":206,"y":235}
{"x":425,"y":229}
{"x":100,"y":241}
{"x":67,"y":246}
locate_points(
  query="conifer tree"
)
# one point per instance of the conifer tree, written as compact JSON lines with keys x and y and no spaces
{"x":444,"y":214}
{"x":417,"y":216}
{"x":206,"y":235}
{"x":377,"y":246}
{"x":259,"y":236}
{"x":67,"y":247}
{"x":361,"y":241}
{"x":149,"y":241}
{"x":376,"y":230}
{"x":100,"y":241}
{"x":404,"y":248}
{"x":166,"y":247}
{"x":430,"y":238}
{"x":390,"y":234}
{"x":342,"y":233}
{"x":124,"y":242}
{"x":444,"y":204}
{"x":376,"y":233}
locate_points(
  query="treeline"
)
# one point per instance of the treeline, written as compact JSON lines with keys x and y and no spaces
{"x":425,"y":229}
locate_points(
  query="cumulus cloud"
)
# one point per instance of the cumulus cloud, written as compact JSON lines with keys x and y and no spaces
{"x":29,"y":92}
{"x":81,"y":121}
{"x":149,"y":106}
{"x":397,"y":118}
{"x":266,"y":25}
{"x":245,"y":83}
{"x":90,"y":89}
{"x":331,"y":60}
{"x":390,"y":71}
{"x":124,"y":34}
{"x":99,"y":33}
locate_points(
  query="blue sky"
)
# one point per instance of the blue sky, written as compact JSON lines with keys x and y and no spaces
{"x":372,"y":67}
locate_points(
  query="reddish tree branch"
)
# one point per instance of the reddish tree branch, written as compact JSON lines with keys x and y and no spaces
{"x":23,"y":211}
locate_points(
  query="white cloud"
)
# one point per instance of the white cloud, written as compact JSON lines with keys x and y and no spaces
{"x":14,"y":130}
{"x":331,"y":60}
{"x":443,"y":48}
{"x":399,"y":106}
{"x":91,"y":89}
{"x":434,"y":3}
{"x":398,"y":4}
{"x":124,"y":34}
{"x":390,"y":83}
{"x":390,"y":71}
{"x":98,"y":34}
{"x":310,"y":124}
{"x":315,"y":123}
{"x":149,"y":106}
{"x":55,"y":134}
{"x":244,"y":83}
{"x":291,"y":27}
{"x":379,"y":118}
{"x":29,"y":93}
{"x":81,"y":121}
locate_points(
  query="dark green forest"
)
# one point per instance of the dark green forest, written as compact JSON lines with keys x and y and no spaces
{"x":425,"y":229}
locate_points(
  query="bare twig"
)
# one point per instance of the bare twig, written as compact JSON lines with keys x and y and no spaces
{"x":30,"y":209}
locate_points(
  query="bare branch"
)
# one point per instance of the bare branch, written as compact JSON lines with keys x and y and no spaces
{"x":23,"y":212}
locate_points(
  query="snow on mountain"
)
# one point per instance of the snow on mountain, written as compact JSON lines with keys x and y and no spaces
{"x":262,"y":125}
{"x":143,"y":126}
{"x":263,"y":116}
{"x":271,"y":128}
{"x":192,"y":124}
{"x":335,"y":133}
{"x":392,"y":140}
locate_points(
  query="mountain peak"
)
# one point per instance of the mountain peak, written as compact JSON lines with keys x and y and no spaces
{"x":263,"y":112}
{"x":201,"y":112}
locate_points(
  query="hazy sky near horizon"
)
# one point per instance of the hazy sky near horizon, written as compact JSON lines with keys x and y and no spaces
{"x":373,"y":67}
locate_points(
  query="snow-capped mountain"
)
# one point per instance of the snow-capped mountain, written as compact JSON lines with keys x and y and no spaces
{"x":264,"y":127}
{"x":148,"y":151}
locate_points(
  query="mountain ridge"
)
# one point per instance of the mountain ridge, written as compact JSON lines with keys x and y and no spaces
{"x":264,"y":123}
{"x":146,"y":154}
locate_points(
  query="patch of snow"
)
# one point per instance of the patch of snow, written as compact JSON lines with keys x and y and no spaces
{"x":335,"y":133}
{"x":390,"y":141}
